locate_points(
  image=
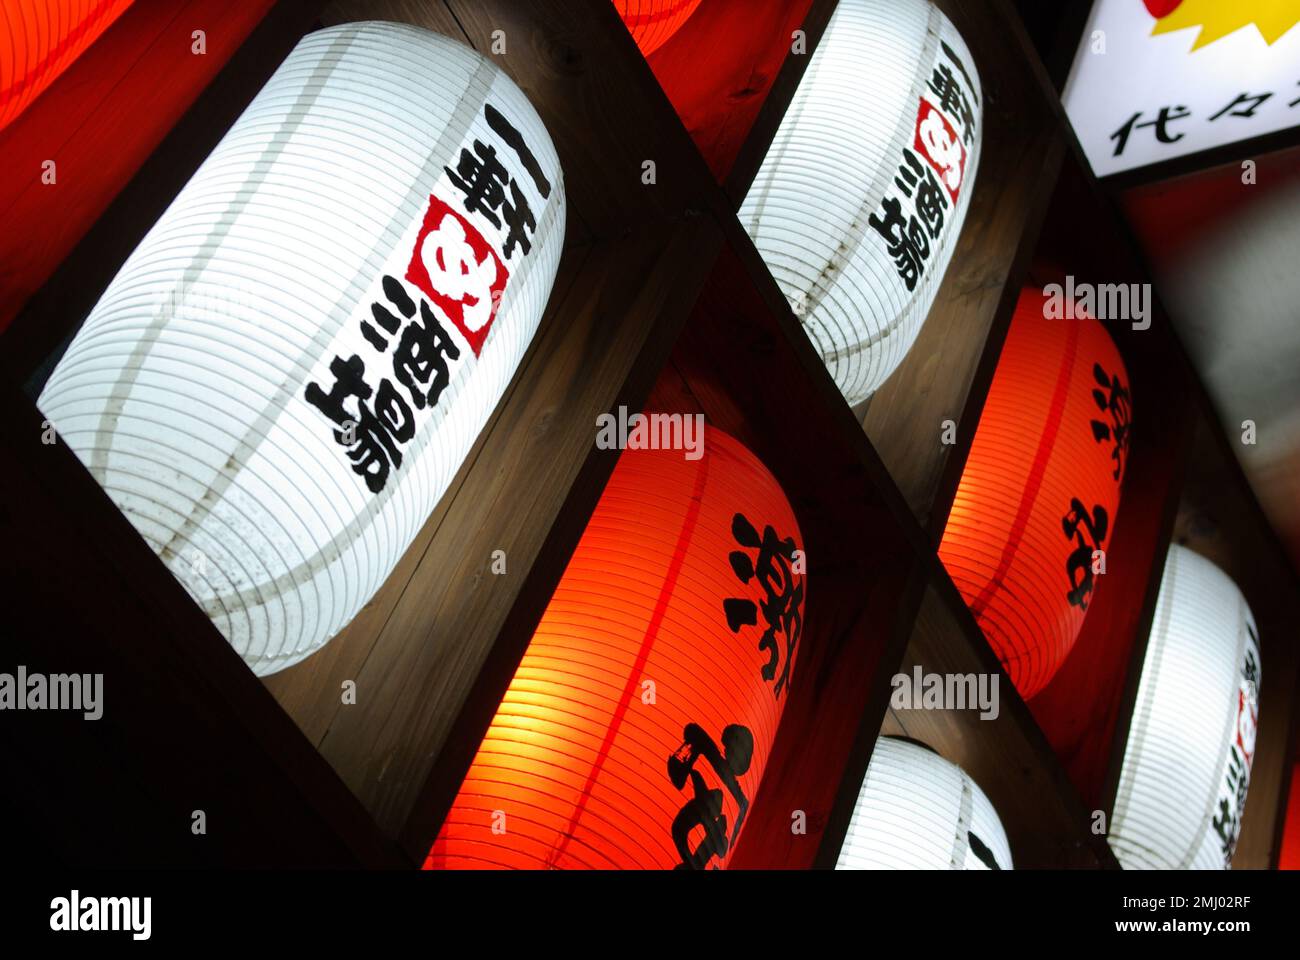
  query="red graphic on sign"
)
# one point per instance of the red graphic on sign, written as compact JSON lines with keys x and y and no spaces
{"x":458,"y":271}
{"x":938,"y":142}
{"x":1162,"y":8}
{"x":1247,"y":724}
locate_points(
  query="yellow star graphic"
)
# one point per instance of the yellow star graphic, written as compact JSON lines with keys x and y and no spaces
{"x":1218,"y":18}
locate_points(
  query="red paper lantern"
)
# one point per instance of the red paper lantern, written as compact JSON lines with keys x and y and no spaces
{"x":652,"y":22}
{"x":637,"y":727}
{"x":41,"y":37}
{"x":1040,"y":492}
{"x":1289,"y":858}
{"x":98,"y":123}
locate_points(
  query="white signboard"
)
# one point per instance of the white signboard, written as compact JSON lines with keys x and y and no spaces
{"x":1158,"y":79}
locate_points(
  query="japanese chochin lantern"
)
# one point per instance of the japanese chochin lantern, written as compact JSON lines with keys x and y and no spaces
{"x":652,"y":22}
{"x":40,"y":39}
{"x":636,"y":730}
{"x":1037,"y":500}
{"x":917,"y":811}
{"x":1191,"y":742}
{"x":280,"y":383}
{"x":860,"y":199}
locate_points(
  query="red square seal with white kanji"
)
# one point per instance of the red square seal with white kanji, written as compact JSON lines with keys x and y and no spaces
{"x":938,"y":142}
{"x":457,"y":269}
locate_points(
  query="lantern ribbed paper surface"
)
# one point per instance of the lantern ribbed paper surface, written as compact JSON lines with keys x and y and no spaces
{"x":917,"y":811}
{"x":280,"y":383}
{"x":859,"y":201}
{"x":1191,"y":742}
{"x":638,"y":725}
{"x":1040,"y":490}
{"x":39,"y":39}
{"x":652,"y":22}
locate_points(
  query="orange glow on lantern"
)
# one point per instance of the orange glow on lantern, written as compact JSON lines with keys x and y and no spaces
{"x":652,"y":22}
{"x":42,"y":37}
{"x":638,"y":724}
{"x":1040,"y":491}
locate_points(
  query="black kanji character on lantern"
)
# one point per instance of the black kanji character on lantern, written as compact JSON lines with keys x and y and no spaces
{"x":1251,"y":669}
{"x":515,"y":140}
{"x":957,"y":62}
{"x":952,"y":97}
{"x":931,"y":199}
{"x":374,"y":433}
{"x":910,"y":175}
{"x":906,"y":238}
{"x":1166,"y":116}
{"x":1296,"y":101}
{"x":1112,"y":398}
{"x":399,"y":298}
{"x":783,"y":599}
{"x":1226,"y":823}
{"x":420,"y":360}
{"x":704,"y":808}
{"x":490,"y":190}
{"x":482,"y":178}
{"x":982,"y":851}
{"x":1255,"y":102}
{"x":1088,"y":530}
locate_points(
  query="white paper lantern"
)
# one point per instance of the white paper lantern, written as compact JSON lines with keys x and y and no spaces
{"x":917,"y":811}
{"x":1191,"y":742}
{"x":860,"y":199}
{"x":350,"y":279}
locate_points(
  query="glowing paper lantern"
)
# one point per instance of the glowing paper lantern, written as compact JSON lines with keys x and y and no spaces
{"x":917,"y":811}
{"x":1191,"y":742}
{"x":1040,"y":491}
{"x":638,"y":725}
{"x":41,"y":38}
{"x":1288,"y":857}
{"x":861,"y":197}
{"x":279,"y":384}
{"x":652,"y":22}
